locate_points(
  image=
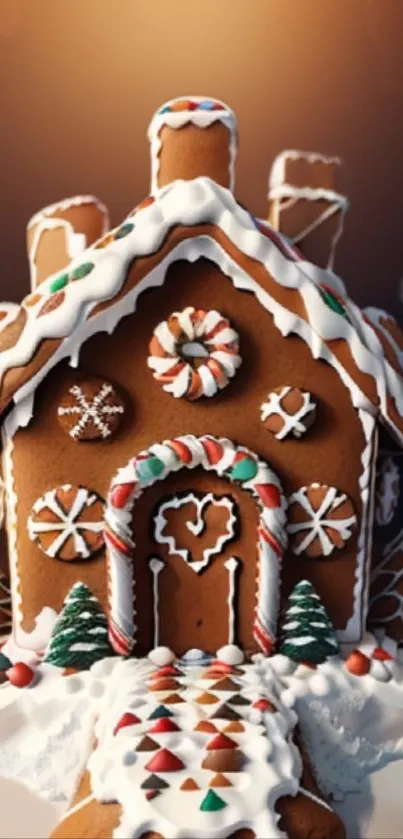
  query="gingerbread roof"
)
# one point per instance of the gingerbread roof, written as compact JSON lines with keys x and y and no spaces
{"x":193,"y":219}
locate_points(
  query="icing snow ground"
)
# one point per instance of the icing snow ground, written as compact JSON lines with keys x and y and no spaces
{"x":352,"y":727}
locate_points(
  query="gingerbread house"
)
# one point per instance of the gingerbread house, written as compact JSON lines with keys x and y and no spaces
{"x":191,"y":406}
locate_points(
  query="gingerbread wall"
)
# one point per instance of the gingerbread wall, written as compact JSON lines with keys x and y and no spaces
{"x":330,"y":453}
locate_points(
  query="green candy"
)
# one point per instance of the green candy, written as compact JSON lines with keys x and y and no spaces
{"x":124,"y":230}
{"x":151,"y":467}
{"x":59,"y":283}
{"x":82,"y":270}
{"x":212,"y":803}
{"x":5,"y":662}
{"x":244,"y":470}
{"x":333,"y":303}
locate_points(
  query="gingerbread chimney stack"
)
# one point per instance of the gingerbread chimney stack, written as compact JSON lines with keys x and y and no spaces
{"x":192,"y":137}
{"x":59,"y":232}
{"x":304,"y":204}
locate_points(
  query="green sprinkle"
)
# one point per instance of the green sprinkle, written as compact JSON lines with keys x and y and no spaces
{"x":82,"y":270}
{"x":59,"y":283}
{"x":149,"y":468}
{"x":124,"y":230}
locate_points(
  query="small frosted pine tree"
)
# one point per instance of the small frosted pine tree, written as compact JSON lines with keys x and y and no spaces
{"x":80,"y":634}
{"x":307,"y":633}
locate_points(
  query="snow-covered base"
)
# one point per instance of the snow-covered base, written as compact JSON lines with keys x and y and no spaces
{"x":352,"y":727}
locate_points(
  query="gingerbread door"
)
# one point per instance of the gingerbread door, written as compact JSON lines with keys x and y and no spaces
{"x":203,"y":544}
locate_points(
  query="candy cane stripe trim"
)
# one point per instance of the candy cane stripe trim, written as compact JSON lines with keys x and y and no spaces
{"x":222,"y":456}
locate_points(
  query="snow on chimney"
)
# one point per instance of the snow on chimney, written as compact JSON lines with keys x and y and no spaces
{"x":191,"y":137}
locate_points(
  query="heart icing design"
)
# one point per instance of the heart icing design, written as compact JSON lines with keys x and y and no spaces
{"x":196,"y":527}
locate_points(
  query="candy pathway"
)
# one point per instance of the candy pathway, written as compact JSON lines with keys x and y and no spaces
{"x":194,"y":751}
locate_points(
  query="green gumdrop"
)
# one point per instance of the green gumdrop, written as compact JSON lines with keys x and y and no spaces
{"x":59,"y":283}
{"x":82,"y":270}
{"x":212,"y":803}
{"x":124,"y":230}
{"x":151,"y":467}
{"x":244,"y":470}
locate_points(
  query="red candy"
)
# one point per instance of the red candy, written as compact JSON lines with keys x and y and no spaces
{"x":163,"y":726}
{"x":379,"y":654}
{"x":358,"y":664}
{"x":221,"y":741}
{"x":126,"y":720}
{"x":20,"y":675}
{"x":164,"y":761}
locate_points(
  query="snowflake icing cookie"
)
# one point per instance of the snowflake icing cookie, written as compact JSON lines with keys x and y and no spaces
{"x":194,"y":353}
{"x":91,"y":410}
{"x":288,"y":412}
{"x":67,"y":523}
{"x":321,"y":518}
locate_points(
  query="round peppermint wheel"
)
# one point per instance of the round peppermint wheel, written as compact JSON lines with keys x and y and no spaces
{"x":67,"y":523}
{"x":194,"y":353}
{"x":91,"y":410}
{"x":321,"y":518}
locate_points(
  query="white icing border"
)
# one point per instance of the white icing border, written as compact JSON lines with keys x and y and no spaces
{"x":356,"y":624}
{"x":200,"y":118}
{"x":66,"y":204}
{"x":192,"y":202}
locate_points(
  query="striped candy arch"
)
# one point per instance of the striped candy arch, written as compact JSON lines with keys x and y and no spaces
{"x":235,"y":463}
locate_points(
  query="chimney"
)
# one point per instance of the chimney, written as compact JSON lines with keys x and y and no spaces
{"x":304,"y":204}
{"x":60,"y":232}
{"x":192,"y":137}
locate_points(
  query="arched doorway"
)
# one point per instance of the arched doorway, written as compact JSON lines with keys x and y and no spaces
{"x":241,"y":468}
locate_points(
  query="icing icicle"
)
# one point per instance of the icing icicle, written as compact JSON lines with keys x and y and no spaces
{"x":231,"y":565}
{"x":156,"y":566}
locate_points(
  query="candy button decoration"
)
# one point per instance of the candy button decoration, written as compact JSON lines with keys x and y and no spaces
{"x":58,"y":283}
{"x":358,"y":664}
{"x":160,"y":712}
{"x":221,"y":741}
{"x":245,"y":469}
{"x":124,"y":230}
{"x":20,"y":675}
{"x":82,"y":271}
{"x":149,"y":468}
{"x":164,"y":725}
{"x":194,"y":353}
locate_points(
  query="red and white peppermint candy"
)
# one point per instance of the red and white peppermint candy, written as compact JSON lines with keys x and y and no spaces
{"x":194,"y":353}
{"x":226,"y":459}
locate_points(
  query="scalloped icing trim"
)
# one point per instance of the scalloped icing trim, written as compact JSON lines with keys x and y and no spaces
{"x":201,"y":119}
{"x":191,"y":203}
{"x":66,"y":204}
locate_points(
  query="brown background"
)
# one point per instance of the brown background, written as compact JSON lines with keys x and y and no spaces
{"x":80,"y":80}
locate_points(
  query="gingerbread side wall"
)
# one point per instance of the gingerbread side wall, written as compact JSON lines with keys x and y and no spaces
{"x":45,"y":457}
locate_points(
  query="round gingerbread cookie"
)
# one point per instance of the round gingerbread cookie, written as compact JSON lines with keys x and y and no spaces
{"x":288,"y":411}
{"x":321,"y":518}
{"x":91,"y":410}
{"x":68,"y":523}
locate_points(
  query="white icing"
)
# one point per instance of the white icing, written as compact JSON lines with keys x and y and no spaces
{"x":5,"y":605}
{"x":387,"y":491}
{"x":197,"y":527}
{"x":320,"y":520}
{"x":10,"y":312}
{"x":161,"y":656}
{"x":273,"y":768}
{"x":231,"y":566}
{"x":92,"y":409}
{"x":172,"y":365}
{"x":376,"y":316}
{"x":69,"y":524}
{"x":200,"y":118}
{"x":195,"y":453}
{"x":231,"y":654}
{"x":189,"y":203}
{"x":156,"y":565}
{"x":292,"y":423}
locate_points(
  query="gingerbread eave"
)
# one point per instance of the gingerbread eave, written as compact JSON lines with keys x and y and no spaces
{"x":192,"y":219}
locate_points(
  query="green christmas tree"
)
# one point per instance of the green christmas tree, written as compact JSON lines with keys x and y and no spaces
{"x":80,"y":634}
{"x":307,"y":633}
